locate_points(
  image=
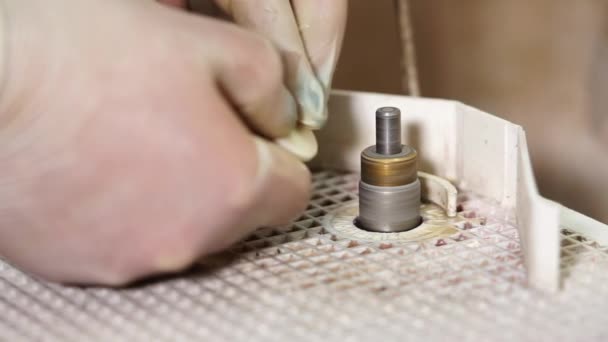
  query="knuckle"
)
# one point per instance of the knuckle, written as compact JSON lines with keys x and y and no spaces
{"x":261,"y":64}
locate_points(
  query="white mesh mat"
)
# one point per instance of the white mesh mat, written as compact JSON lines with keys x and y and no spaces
{"x":300,"y":282}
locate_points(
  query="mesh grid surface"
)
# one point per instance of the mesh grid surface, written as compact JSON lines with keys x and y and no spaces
{"x":300,"y":282}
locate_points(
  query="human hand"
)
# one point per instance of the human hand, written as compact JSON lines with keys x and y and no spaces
{"x":308,"y":33}
{"x":121,"y":148}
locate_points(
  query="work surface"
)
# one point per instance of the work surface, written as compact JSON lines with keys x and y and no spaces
{"x":303,"y":282}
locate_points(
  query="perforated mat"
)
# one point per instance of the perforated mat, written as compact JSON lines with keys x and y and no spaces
{"x":301,"y":282}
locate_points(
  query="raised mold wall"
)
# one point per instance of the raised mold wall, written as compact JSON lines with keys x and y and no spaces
{"x":487,"y":154}
{"x":475,"y":150}
{"x":428,"y":125}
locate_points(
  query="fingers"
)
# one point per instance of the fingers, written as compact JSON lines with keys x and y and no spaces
{"x":250,"y":73}
{"x":282,"y":185}
{"x":248,"y":70}
{"x":322,"y":25}
{"x":277,"y":193}
{"x":153,"y":168}
{"x":245,"y":182}
{"x":275,"y":20}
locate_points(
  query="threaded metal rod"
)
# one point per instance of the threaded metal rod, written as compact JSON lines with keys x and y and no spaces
{"x":388,"y":130}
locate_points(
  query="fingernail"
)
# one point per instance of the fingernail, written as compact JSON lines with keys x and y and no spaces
{"x":311,"y":100}
{"x":288,"y":111}
{"x":301,"y":142}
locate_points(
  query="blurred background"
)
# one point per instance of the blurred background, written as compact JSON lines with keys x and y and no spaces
{"x":542,"y":64}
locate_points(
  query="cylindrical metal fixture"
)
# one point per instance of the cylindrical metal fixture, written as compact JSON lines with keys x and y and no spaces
{"x":392,"y":170}
{"x":389,"y":209}
{"x":389,"y":191}
{"x":388,"y":130}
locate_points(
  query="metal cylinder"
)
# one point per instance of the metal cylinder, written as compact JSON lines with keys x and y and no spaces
{"x":389,"y":208}
{"x":389,"y":191}
{"x":388,"y":130}
{"x":392,"y":170}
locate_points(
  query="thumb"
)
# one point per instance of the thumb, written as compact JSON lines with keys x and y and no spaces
{"x":279,"y":193}
{"x":282,"y":185}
